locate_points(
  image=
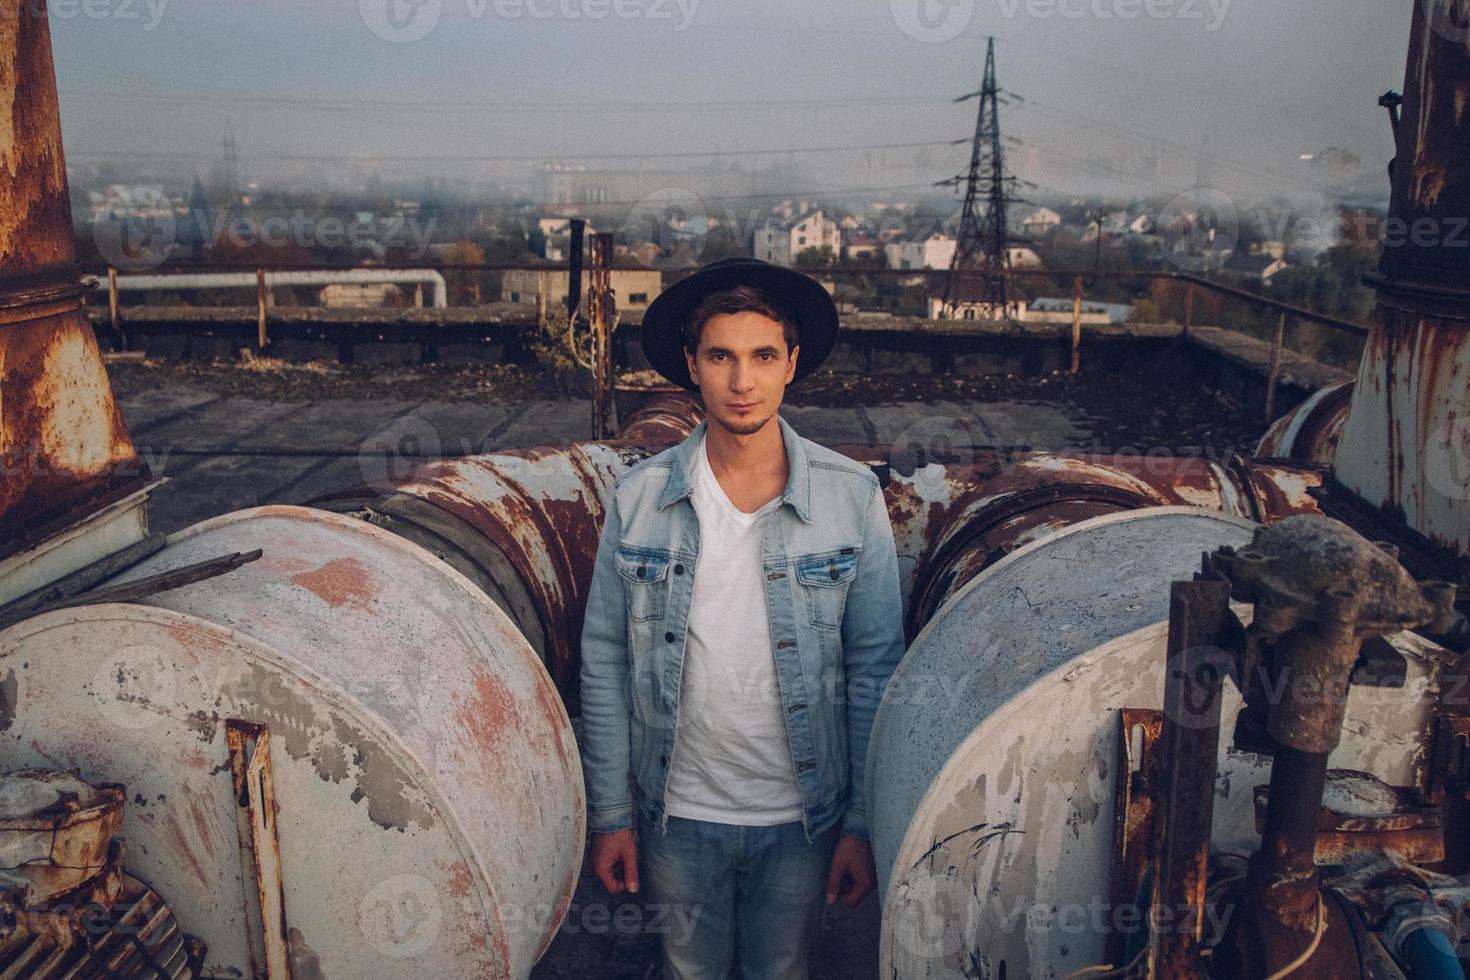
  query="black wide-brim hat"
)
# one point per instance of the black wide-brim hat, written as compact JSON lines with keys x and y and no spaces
{"x":807,"y":300}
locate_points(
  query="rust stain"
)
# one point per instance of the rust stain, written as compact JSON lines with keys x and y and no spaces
{"x":61,"y":444}
{"x":460,"y":882}
{"x":551,"y":712}
{"x":490,"y":715}
{"x":340,"y":582}
{"x":201,"y":822}
{"x":178,"y":841}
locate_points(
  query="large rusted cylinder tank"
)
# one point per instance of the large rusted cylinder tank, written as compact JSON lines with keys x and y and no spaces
{"x":1310,"y":432}
{"x":950,"y":522}
{"x":995,"y":757}
{"x":428,"y":808}
{"x":523,"y":524}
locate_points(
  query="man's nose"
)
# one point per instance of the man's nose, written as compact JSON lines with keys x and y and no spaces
{"x":742,"y":378}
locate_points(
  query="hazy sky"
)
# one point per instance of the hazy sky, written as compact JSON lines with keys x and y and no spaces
{"x":1251,"y":84}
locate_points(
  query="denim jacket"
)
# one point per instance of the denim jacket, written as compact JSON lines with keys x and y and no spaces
{"x":836,"y":627}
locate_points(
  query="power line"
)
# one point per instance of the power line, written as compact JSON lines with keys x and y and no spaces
{"x":460,"y":106}
{"x":512,"y":158}
{"x":1077,"y":119}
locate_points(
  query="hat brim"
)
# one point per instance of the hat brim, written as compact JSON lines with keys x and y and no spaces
{"x":807,"y":299}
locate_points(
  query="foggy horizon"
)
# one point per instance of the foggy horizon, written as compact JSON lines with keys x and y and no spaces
{"x":1115,"y":98}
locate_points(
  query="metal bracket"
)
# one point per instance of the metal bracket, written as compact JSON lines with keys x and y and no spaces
{"x":265,"y":911}
{"x":1137,"y":806}
{"x":1199,"y":618}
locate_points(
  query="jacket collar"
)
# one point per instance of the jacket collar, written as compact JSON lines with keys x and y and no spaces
{"x":798,"y":492}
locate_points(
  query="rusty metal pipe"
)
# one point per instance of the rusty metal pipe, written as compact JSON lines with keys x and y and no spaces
{"x":523,"y":524}
{"x":1279,"y":904}
{"x":1319,"y":589}
{"x":63,"y":445}
{"x":1285,"y":861}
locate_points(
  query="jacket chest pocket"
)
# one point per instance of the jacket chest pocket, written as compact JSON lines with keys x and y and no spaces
{"x":645,"y":583}
{"x":824,"y":580}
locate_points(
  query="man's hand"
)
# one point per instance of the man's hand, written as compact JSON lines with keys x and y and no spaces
{"x":615,"y":860}
{"x":853,"y":875}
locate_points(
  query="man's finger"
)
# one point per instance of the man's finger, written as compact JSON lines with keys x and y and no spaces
{"x":630,"y":868}
{"x":609,"y":879}
{"x":834,"y":881}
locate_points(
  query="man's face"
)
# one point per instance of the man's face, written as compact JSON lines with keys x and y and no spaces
{"x":742,"y":369}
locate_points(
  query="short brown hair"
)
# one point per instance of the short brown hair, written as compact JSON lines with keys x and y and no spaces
{"x":740,"y":299}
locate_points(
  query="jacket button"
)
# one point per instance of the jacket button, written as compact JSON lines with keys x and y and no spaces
{"x":642,"y":571}
{"x":663,"y":760}
{"x":668,"y":637}
{"x":834,"y":573}
{"x":678,"y":569}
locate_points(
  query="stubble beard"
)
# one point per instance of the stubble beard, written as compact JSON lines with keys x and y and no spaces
{"x":741,"y":428}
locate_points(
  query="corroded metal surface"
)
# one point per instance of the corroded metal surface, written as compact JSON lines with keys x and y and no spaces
{"x":62,"y":439}
{"x":1137,"y":811}
{"x":1310,"y":432}
{"x":542,"y":511}
{"x":1362,"y":813}
{"x":1431,"y":167}
{"x":662,"y":420}
{"x":35,"y":210}
{"x":525,"y":524}
{"x":55,"y":829}
{"x":1406,"y":443}
{"x":260,"y":849}
{"x":111,"y":926}
{"x":429,"y":794}
{"x":995,"y":747}
{"x":950,"y":522}
{"x":1319,"y":590}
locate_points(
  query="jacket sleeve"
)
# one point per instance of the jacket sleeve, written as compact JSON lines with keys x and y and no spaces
{"x":606,"y":713}
{"x":872,"y":645}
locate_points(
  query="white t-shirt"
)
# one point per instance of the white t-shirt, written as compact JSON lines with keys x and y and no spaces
{"x":732,"y":757}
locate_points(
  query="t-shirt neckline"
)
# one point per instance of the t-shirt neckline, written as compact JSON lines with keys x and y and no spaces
{"x":707,"y":473}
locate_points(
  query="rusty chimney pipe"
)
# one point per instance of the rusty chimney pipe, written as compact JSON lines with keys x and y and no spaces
{"x":1406,"y":442}
{"x":63,"y":446}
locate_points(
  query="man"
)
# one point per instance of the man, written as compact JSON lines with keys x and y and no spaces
{"x":743,"y":620}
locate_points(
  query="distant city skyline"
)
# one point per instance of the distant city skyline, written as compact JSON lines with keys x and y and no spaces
{"x":1105,"y":97}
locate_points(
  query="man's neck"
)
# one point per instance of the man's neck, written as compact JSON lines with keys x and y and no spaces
{"x":758,"y":458}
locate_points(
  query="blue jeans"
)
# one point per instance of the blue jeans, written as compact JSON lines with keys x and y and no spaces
{"x":755,"y":891}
